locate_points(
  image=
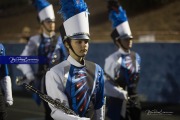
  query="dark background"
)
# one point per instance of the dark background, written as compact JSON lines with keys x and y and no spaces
{"x":157,"y":21}
{"x":158,"y":88}
{"x":159,"y":18}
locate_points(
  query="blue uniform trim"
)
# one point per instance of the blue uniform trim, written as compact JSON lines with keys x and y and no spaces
{"x":100,"y":83}
{"x":79,"y":91}
{"x":3,"y":68}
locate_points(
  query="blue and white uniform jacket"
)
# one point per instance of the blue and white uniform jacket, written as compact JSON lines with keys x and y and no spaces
{"x":123,"y":69}
{"x":40,"y":45}
{"x":80,"y":87}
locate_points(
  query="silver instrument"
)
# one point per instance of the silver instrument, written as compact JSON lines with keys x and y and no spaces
{"x":55,"y":103}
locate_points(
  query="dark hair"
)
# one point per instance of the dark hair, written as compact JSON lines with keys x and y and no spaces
{"x":68,"y":40}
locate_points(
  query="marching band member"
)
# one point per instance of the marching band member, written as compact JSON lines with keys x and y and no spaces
{"x":76,"y":82}
{"x":122,"y":69}
{"x":46,"y":44}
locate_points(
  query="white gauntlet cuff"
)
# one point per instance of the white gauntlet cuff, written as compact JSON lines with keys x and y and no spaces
{"x":7,"y":87}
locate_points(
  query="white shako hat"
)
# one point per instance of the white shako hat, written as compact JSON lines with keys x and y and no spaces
{"x":76,"y":23}
{"x":45,"y":10}
{"x":120,"y":24}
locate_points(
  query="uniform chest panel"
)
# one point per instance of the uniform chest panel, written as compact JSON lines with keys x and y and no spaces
{"x":79,"y":87}
{"x":128,"y":64}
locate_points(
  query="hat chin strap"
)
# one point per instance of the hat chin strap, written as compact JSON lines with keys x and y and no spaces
{"x":125,"y":49}
{"x":73,"y":49}
{"x":47,"y":28}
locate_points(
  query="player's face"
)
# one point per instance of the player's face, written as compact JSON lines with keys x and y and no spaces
{"x":127,"y":44}
{"x":49,"y":25}
{"x":80,"y":47}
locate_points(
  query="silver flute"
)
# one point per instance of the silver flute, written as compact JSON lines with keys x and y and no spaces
{"x":55,"y":103}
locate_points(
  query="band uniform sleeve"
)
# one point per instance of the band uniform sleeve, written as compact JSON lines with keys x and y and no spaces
{"x":114,"y":91}
{"x":54,"y":88}
{"x":138,"y":63}
{"x":100,"y":93}
{"x":5,"y":82}
{"x":29,"y":50}
{"x":110,"y":68}
{"x":7,"y":88}
{"x":99,"y":114}
{"x":3,"y":67}
{"x":4,"y":71}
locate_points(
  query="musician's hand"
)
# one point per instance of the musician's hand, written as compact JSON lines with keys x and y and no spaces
{"x":30,"y":77}
{"x":79,"y":118}
{"x":124,"y":95}
{"x":83,"y":118}
{"x":20,"y":80}
{"x":9,"y":103}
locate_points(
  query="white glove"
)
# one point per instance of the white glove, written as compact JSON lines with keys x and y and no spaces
{"x":114,"y":91}
{"x":27,"y":71}
{"x":30,"y":77}
{"x":7,"y":88}
{"x":123,"y":94}
{"x":83,"y":118}
{"x":78,"y":118}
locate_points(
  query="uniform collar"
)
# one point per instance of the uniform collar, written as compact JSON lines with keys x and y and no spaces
{"x":123,"y":52}
{"x":47,"y":36}
{"x":74,"y":62}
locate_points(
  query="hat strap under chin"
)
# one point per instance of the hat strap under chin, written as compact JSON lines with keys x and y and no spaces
{"x":46,"y":27}
{"x":119,"y":41}
{"x":70,"y":46}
